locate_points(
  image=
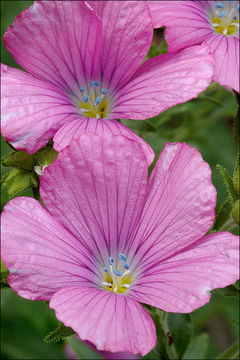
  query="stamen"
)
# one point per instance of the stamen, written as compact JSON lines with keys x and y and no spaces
{"x":95,"y":83}
{"x":126,"y":266}
{"x":98,"y":100}
{"x":219,"y":5}
{"x":85,"y":98}
{"x":117,"y":272}
{"x":106,"y":283}
{"x":105,"y":269}
{"x":125,"y":273}
{"x":110,"y":260}
{"x":222,"y":14}
{"x":82,"y":89}
{"x":105,"y":91}
{"x":123,"y":257}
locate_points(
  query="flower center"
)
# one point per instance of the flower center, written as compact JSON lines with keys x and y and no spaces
{"x":117,"y":278}
{"x":94,"y":101}
{"x":225,"y":17}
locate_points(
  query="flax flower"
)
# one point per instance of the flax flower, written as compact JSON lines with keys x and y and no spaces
{"x":109,"y":239}
{"x":84,"y":61}
{"x":215,"y":23}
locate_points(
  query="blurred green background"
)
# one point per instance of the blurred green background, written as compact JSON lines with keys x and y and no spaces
{"x":205,"y":122}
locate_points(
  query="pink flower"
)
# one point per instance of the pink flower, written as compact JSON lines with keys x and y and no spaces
{"x":109,"y":239}
{"x":215,"y":23}
{"x":84,"y":61}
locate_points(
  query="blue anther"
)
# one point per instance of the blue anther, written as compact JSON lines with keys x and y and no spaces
{"x":95,"y":83}
{"x":235,"y":17}
{"x":98,"y":100}
{"x":222,"y":14}
{"x":126,"y":266}
{"x":105,"y":91}
{"x":105,"y":269}
{"x":82,"y":89}
{"x":123,"y":257}
{"x":110,"y":260}
{"x":117,"y":272}
{"x":85,"y":98}
{"x":219,"y":5}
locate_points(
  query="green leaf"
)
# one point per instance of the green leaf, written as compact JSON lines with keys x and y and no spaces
{"x":82,"y":350}
{"x":228,"y":182}
{"x":236,"y":122}
{"x":235,"y":212}
{"x":231,"y":353}
{"x":4,"y":283}
{"x":180,"y":332}
{"x":46,"y":156}
{"x":197,"y":348}
{"x":236,"y":174}
{"x":19,"y":160}
{"x":58,"y":334}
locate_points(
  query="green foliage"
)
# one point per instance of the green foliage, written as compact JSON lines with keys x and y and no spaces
{"x":228,"y":292}
{"x":4,"y":283}
{"x":81,"y":350}
{"x":231,"y":353}
{"x":236,"y":121}
{"x":18,"y":180}
{"x":58,"y":334}
{"x":180,"y":332}
{"x":197,"y":348}
{"x":235,"y":212}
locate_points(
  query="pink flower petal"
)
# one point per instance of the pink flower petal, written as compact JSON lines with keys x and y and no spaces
{"x":165,"y":81}
{"x":127,"y":35}
{"x":32,"y":110}
{"x":186,"y":22}
{"x":96,"y":189}
{"x":50,"y":38}
{"x":73,"y":130}
{"x":40,"y":254}
{"x":225,"y":50}
{"x":112,"y":322}
{"x":183,"y":282}
{"x":179,"y":207}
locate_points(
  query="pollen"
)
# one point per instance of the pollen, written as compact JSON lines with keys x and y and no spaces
{"x":94,"y":101}
{"x":117,"y":277}
{"x":224,"y":17}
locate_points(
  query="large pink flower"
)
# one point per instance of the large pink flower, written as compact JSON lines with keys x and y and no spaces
{"x":84,"y":61}
{"x":215,"y":23}
{"x":109,"y":239}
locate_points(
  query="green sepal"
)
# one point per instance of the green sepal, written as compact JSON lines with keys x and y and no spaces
{"x":45,"y":156}
{"x":180,"y":332}
{"x":231,"y":353}
{"x":4,"y":283}
{"x":236,"y":175}
{"x":228,"y":182}
{"x":223,"y":214}
{"x":18,"y":180}
{"x":235,"y":212}
{"x":197,"y":348}
{"x":58,"y":334}
{"x":20,"y":160}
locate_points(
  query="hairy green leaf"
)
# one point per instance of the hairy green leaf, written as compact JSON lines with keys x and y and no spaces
{"x":228,"y":182}
{"x":60,"y":333}
{"x":19,"y":160}
{"x":82,"y":350}
{"x":236,"y":175}
{"x":223,"y":214}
